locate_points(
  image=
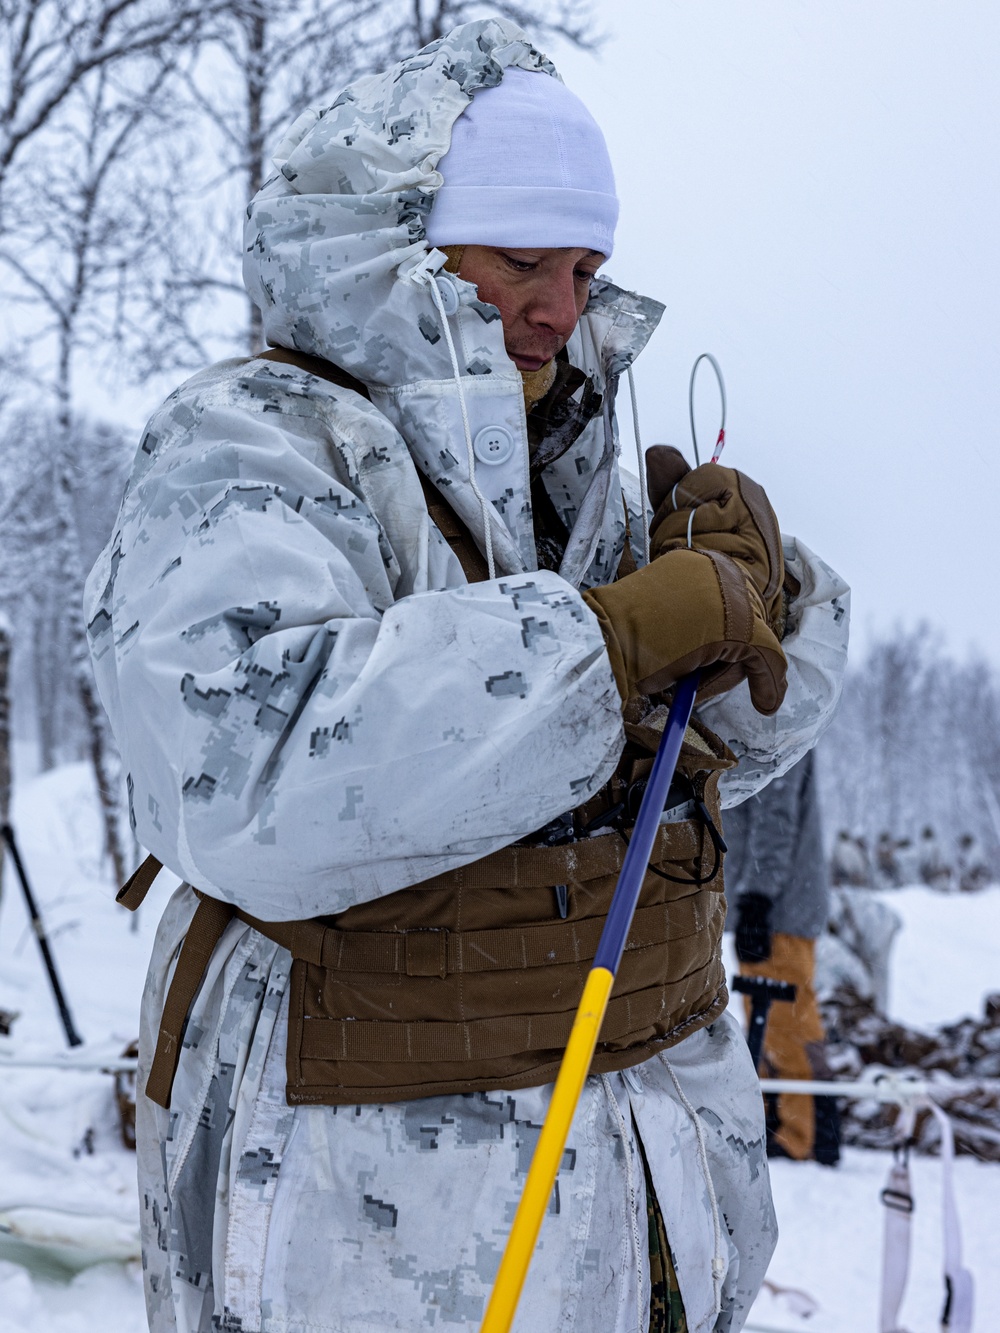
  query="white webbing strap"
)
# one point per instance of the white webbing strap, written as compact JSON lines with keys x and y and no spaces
{"x":898,"y":1199}
{"x":957,"y":1314}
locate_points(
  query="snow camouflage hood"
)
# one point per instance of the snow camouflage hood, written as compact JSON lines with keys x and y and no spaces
{"x":332,"y":249}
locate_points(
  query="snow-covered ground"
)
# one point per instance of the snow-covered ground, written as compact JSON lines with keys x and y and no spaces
{"x":68,"y":1228}
{"x":69,"y":1235}
{"x":945,"y":958}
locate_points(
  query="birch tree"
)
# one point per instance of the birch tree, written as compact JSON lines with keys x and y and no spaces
{"x":916,"y":742}
{"x":5,"y":764}
{"x":50,"y":47}
{"x":72,"y":255}
{"x":423,"y":21}
{"x":44,"y":550}
{"x":79,"y":232}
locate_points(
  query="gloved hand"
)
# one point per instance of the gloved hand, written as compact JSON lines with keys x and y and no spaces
{"x":753,"y":927}
{"x":687,"y":610}
{"x":719,"y":509}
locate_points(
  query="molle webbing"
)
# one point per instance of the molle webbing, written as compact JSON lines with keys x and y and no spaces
{"x":484,"y":978}
{"x":384,"y":1008}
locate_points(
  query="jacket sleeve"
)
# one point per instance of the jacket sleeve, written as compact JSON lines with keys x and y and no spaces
{"x":816,"y":647}
{"x":767,"y":829}
{"x":297,"y":740}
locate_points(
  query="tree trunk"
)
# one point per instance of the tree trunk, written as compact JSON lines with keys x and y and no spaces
{"x":105,"y":777}
{"x":98,"y":741}
{"x":70,"y":565}
{"x":44,"y":661}
{"x":5,"y":765}
{"x":430,"y":27}
{"x":256,"y":84}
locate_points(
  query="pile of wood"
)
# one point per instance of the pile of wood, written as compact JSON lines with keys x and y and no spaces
{"x":961,"y":1059}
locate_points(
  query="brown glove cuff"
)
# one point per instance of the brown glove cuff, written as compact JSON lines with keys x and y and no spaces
{"x":610,"y":641}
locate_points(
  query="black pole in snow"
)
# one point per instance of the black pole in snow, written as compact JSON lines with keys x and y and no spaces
{"x":72,"y":1036}
{"x":761,"y":992}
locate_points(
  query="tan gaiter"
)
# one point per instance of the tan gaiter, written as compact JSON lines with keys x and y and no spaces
{"x":536,"y":383}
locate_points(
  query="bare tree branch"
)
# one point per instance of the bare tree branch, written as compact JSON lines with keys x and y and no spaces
{"x":51,"y":46}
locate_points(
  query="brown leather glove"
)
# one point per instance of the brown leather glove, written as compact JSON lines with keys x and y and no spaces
{"x":686,"y":610}
{"x":721,"y":510}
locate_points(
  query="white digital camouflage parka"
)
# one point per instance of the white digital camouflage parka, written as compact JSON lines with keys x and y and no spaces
{"x":315,"y":708}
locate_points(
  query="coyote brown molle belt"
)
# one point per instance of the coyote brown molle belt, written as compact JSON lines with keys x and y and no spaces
{"x":469,"y":981}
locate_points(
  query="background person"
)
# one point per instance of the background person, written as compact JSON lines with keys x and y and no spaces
{"x":849,"y":861}
{"x":779,"y":895}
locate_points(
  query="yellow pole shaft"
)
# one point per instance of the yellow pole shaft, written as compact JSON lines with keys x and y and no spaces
{"x":548,"y":1153}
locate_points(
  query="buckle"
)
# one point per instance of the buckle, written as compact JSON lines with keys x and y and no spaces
{"x":897,"y":1200}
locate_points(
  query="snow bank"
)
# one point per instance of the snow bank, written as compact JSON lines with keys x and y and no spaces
{"x":67,"y":1186}
{"x":945,"y":959}
{"x":100,"y":959}
{"x":69,"y":1232}
{"x":108,"y":1297}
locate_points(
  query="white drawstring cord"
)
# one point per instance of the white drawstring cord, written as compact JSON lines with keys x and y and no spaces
{"x":719,"y":1264}
{"x":643,"y":496}
{"x":484,"y":504}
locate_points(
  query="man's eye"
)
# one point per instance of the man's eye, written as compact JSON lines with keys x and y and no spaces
{"x":584,"y":277}
{"x":521,"y":265}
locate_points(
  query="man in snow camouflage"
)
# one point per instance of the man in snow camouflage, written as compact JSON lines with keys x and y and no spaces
{"x":378,"y":659}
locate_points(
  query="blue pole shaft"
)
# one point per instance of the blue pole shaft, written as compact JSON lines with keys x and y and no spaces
{"x":579,"y":1052}
{"x":640,"y":848}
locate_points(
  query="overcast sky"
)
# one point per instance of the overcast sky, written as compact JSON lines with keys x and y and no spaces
{"x":813,"y":190}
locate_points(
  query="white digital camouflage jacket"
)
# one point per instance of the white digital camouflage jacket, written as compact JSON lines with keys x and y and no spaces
{"x":315,"y":708}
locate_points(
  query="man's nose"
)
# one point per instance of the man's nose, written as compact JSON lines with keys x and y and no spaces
{"x":555,"y":306}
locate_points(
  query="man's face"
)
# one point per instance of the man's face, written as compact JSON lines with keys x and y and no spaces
{"x":540,"y":295}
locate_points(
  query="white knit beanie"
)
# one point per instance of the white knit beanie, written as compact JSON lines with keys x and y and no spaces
{"x":527,"y":167}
